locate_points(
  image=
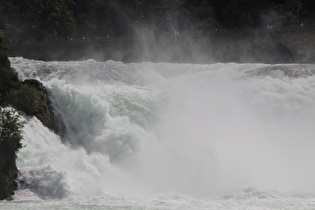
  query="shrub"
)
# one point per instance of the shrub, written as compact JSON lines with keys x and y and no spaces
{"x":10,"y":130}
{"x":10,"y":143}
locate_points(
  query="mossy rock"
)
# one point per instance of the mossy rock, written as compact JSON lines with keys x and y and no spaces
{"x":25,"y":98}
{"x":42,"y":107}
{"x":32,"y":98}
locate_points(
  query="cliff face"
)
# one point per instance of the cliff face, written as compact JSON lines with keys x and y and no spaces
{"x":29,"y":97}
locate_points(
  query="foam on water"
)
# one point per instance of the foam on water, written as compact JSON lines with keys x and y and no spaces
{"x":142,"y":131}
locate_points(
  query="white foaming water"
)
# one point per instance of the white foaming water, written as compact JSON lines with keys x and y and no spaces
{"x":170,"y":136}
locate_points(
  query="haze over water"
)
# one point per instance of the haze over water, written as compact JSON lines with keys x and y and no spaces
{"x":170,"y":136}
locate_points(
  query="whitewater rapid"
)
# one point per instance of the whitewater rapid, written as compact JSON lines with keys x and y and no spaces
{"x":140,"y":135}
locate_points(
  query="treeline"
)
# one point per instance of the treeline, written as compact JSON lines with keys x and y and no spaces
{"x":65,"y":19}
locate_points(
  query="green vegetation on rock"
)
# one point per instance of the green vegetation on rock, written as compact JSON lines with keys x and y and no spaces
{"x":10,"y":142}
{"x":26,"y":94}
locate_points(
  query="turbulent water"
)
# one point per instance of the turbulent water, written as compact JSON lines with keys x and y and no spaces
{"x":170,"y":136}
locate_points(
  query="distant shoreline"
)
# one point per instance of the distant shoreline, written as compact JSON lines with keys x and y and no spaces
{"x":287,"y":46}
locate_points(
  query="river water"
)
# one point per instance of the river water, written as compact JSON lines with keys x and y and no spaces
{"x":170,"y":136}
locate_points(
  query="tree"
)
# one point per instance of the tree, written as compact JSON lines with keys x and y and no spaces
{"x":38,"y":19}
{"x":204,"y":16}
{"x":289,"y":12}
{"x":10,"y":131}
{"x":240,"y":13}
{"x":52,"y":19}
{"x":10,"y":143}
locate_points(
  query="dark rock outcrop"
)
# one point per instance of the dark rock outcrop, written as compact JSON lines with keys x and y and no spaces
{"x":8,"y":173}
{"x":44,"y":109}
